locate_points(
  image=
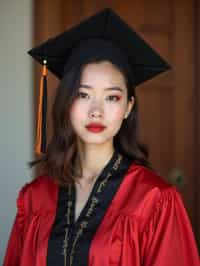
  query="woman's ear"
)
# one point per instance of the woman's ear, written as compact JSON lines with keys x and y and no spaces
{"x":130,"y":105}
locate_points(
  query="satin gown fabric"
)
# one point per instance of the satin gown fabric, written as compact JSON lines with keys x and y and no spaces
{"x":145,"y":224}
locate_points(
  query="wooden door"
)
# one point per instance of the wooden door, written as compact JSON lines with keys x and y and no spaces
{"x":167,"y":104}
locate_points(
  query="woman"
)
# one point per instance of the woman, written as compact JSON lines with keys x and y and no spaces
{"x":98,"y":201}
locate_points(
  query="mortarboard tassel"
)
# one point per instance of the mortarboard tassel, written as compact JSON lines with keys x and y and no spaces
{"x":40,"y":145}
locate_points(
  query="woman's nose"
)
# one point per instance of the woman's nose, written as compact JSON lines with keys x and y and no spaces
{"x":96,"y":111}
{"x":95,"y":114}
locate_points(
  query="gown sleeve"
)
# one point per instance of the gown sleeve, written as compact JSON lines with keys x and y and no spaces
{"x":168,"y":239}
{"x":15,"y":242}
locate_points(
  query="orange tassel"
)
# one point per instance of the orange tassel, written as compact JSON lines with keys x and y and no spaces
{"x":41,"y":115}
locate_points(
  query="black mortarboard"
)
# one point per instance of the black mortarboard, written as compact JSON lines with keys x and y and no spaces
{"x":106,"y":33}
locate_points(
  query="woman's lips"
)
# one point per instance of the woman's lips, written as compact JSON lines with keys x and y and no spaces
{"x":95,"y":128}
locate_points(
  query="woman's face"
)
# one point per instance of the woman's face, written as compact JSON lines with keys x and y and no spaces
{"x":102,"y":98}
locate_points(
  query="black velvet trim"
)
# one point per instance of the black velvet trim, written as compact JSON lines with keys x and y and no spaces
{"x":81,"y":250}
{"x":55,"y":243}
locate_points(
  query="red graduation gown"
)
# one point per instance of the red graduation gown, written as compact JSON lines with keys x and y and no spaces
{"x":146,"y":224}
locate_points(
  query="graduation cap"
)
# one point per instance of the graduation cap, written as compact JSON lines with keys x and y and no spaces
{"x":104,"y":34}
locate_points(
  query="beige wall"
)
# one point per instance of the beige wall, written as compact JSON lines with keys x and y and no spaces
{"x":15,"y":107}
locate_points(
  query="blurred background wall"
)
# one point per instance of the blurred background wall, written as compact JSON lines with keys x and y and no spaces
{"x":15,"y":108}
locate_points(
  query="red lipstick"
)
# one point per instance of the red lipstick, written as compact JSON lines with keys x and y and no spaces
{"x":95,"y":127}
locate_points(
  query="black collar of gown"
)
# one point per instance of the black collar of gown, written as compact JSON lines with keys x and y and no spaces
{"x":70,"y":241}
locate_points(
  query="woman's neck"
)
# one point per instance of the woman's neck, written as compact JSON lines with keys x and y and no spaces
{"x":93,"y":158}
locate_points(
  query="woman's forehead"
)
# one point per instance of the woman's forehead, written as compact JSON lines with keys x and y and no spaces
{"x":104,"y":73}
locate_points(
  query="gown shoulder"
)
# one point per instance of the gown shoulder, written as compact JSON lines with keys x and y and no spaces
{"x":141,"y":188}
{"x":148,"y":176}
{"x":164,"y":228}
{"x":36,"y":195}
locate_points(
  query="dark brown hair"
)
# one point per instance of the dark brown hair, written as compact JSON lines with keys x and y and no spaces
{"x":62,"y":153}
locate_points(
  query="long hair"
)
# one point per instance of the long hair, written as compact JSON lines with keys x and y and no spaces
{"x":62,"y":152}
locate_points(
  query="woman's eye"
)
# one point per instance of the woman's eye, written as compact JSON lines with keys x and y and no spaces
{"x":82,"y":95}
{"x":114,"y":97}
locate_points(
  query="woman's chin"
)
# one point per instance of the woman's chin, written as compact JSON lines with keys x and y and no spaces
{"x":95,"y":140}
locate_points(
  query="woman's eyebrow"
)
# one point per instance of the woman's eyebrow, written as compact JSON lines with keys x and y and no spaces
{"x":106,"y":89}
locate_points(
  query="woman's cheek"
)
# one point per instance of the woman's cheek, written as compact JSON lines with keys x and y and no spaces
{"x":116,"y":113}
{"x":77,"y":111}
